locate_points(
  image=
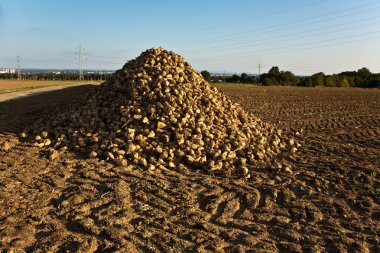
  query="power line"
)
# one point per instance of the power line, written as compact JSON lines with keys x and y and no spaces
{"x":259,"y":69}
{"x":283,"y":25}
{"x":224,"y":25}
{"x":80,"y":52}
{"x":324,"y":68}
{"x":19,"y":77}
{"x":283,"y":38}
{"x":294,"y":47}
{"x":259,"y":72}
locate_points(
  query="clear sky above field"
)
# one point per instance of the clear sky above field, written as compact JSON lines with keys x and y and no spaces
{"x":218,"y":35}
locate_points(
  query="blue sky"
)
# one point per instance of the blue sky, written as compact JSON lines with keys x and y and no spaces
{"x":304,"y":36}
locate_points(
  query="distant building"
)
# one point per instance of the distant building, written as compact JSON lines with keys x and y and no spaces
{"x":7,"y":71}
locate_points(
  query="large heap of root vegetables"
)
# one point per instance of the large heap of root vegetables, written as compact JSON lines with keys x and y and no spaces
{"x":158,"y":112}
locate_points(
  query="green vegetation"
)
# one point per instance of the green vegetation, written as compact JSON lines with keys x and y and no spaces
{"x":63,"y":76}
{"x":243,"y":78}
{"x":8,"y":86}
{"x":206,"y":75}
{"x":2,"y":91}
{"x":277,"y":77}
{"x":361,"y":78}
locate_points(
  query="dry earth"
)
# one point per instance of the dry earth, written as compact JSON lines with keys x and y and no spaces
{"x":328,"y":202}
{"x":13,"y":94}
{"x":14,"y":85}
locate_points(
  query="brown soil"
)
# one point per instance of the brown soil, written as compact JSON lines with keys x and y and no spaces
{"x":329,"y":201}
{"x":17,"y":84}
{"x":14,"y":93}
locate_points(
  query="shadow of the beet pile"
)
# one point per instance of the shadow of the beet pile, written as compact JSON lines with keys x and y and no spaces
{"x":17,"y":114}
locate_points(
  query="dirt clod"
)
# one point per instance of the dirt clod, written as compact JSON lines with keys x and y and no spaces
{"x":53,"y":154}
{"x":6,"y":146}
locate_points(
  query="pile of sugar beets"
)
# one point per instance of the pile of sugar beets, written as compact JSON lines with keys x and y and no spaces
{"x":157,"y":112}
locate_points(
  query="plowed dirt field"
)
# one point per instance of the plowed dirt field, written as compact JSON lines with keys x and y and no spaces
{"x":328,"y":201}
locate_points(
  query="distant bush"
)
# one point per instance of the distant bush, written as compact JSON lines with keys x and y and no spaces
{"x":206,"y":75}
{"x":361,"y":78}
{"x":277,"y":77}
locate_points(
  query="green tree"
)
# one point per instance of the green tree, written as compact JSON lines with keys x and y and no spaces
{"x":374,"y":82}
{"x":343,"y":82}
{"x":235,"y":78}
{"x":244,"y":78}
{"x":364,"y":73}
{"x":206,"y":75}
{"x":287,"y":78}
{"x":269,"y":81}
{"x":329,"y":81}
{"x":274,"y":71}
{"x":318,"y":79}
{"x":307,"y":82}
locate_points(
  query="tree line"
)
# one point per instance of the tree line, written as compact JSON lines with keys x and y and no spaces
{"x":65,"y":76}
{"x":360,"y":78}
